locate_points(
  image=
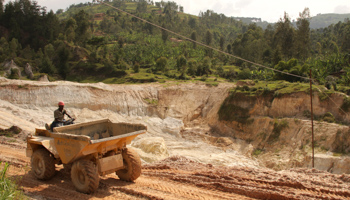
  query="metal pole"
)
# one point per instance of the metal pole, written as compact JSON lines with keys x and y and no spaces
{"x":312,"y":123}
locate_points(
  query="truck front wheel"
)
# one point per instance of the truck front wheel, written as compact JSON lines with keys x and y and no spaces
{"x":132,"y":164}
{"x":43,"y":164}
{"x":85,"y":176}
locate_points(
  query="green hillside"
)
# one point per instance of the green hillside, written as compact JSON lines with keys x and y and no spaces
{"x":325,"y":20}
{"x":93,"y":42}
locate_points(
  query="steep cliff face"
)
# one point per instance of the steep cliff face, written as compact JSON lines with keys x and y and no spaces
{"x":295,"y":104}
{"x":185,"y":102}
{"x":281,"y":133}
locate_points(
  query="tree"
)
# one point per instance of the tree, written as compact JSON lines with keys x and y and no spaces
{"x":222,"y":42}
{"x":14,"y":46}
{"x":1,"y":8}
{"x":165,"y":35}
{"x":208,"y":41}
{"x":194,"y":38}
{"x":229,"y":48}
{"x":47,"y":66}
{"x":204,"y":68}
{"x":208,"y":38}
{"x":302,"y":43}
{"x":181,"y":9}
{"x":136,"y":68}
{"x":292,"y":67}
{"x":192,"y":22}
{"x":4,"y":45}
{"x":63,"y":57}
{"x":27,"y":53}
{"x":192,"y":67}
{"x":170,"y":11}
{"x":70,"y":29}
{"x":161,"y":64}
{"x":284,"y":36}
{"x":49,"y":51}
{"x":181,"y":64}
{"x":345,"y":37}
{"x":82,"y":26}
{"x":59,"y":11}
{"x":141,"y":6}
{"x":245,"y":74}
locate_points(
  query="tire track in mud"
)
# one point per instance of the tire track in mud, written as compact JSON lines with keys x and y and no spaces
{"x":251,"y":187}
{"x":180,"y":180}
{"x":157,"y":188}
{"x":187,"y":191}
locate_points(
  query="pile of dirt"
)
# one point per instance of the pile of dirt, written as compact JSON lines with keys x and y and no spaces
{"x":14,"y":130}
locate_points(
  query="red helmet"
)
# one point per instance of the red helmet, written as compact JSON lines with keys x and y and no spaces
{"x":60,"y":103}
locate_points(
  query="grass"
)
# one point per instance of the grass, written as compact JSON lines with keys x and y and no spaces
{"x":152,"y":101}
{"x":8,"y":187}
{"x":257,"y":152}
{"x":328,"y":117}
{"x":231,"y":67}
{"x":278,"y":126}
{"x":277,"y":88}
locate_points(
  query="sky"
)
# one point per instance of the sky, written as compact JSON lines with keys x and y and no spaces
{"x":268,"y":10}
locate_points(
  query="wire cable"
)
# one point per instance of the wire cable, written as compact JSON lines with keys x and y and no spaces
{"x":201,"y":44}
{"x":218,"y":50}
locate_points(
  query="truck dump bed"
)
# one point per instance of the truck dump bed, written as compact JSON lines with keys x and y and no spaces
{"x":72,"y":142}
{"x":101,"y":130}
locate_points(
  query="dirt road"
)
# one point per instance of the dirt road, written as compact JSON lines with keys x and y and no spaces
{"x":180,"y":178}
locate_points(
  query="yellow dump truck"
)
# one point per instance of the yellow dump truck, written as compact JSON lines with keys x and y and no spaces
{"x":88,"y":149}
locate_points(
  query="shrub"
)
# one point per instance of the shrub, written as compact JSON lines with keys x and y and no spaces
{"x":346,"y":104}
{"x":307,"y":113}
{"x":245,"y":74}
{"x":136,"y":68}
{"x":257,"y":152}
{"x":15,"y":74}
{"x":266,"y":91}
{"x":8,"y":188}
{"x":245,"y":88}
{"x":278,"y":126}
{"x":328,"y":117}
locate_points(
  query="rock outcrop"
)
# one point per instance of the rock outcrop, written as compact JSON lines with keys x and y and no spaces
{"x":10,"y":68}
{"x":28,"y":71}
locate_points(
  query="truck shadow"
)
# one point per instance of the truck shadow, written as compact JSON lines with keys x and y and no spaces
{"x":59,"y":187}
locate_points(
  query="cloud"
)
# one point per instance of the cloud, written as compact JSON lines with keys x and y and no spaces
{"x":243,"y":3}
{"x":342,"y":9}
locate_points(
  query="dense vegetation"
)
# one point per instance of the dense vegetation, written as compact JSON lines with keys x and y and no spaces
{"x":93,"y":42}
{"x":324,"y":20}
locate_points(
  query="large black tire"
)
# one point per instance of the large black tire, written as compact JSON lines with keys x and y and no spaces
{"x":85,"y":176}
{"x":132,"y":164}
{"x":43,"y":164}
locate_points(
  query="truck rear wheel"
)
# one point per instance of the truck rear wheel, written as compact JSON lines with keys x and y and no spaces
{"x":85,"y":176}
{"x":132,"y":164}
{"x":43,"y":164}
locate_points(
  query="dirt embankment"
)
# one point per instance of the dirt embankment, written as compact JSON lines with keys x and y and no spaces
{"x":180,"y":178}
{"x":273,"y":130}
{"x":279,"y":129}
{"x":205,"y":157}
